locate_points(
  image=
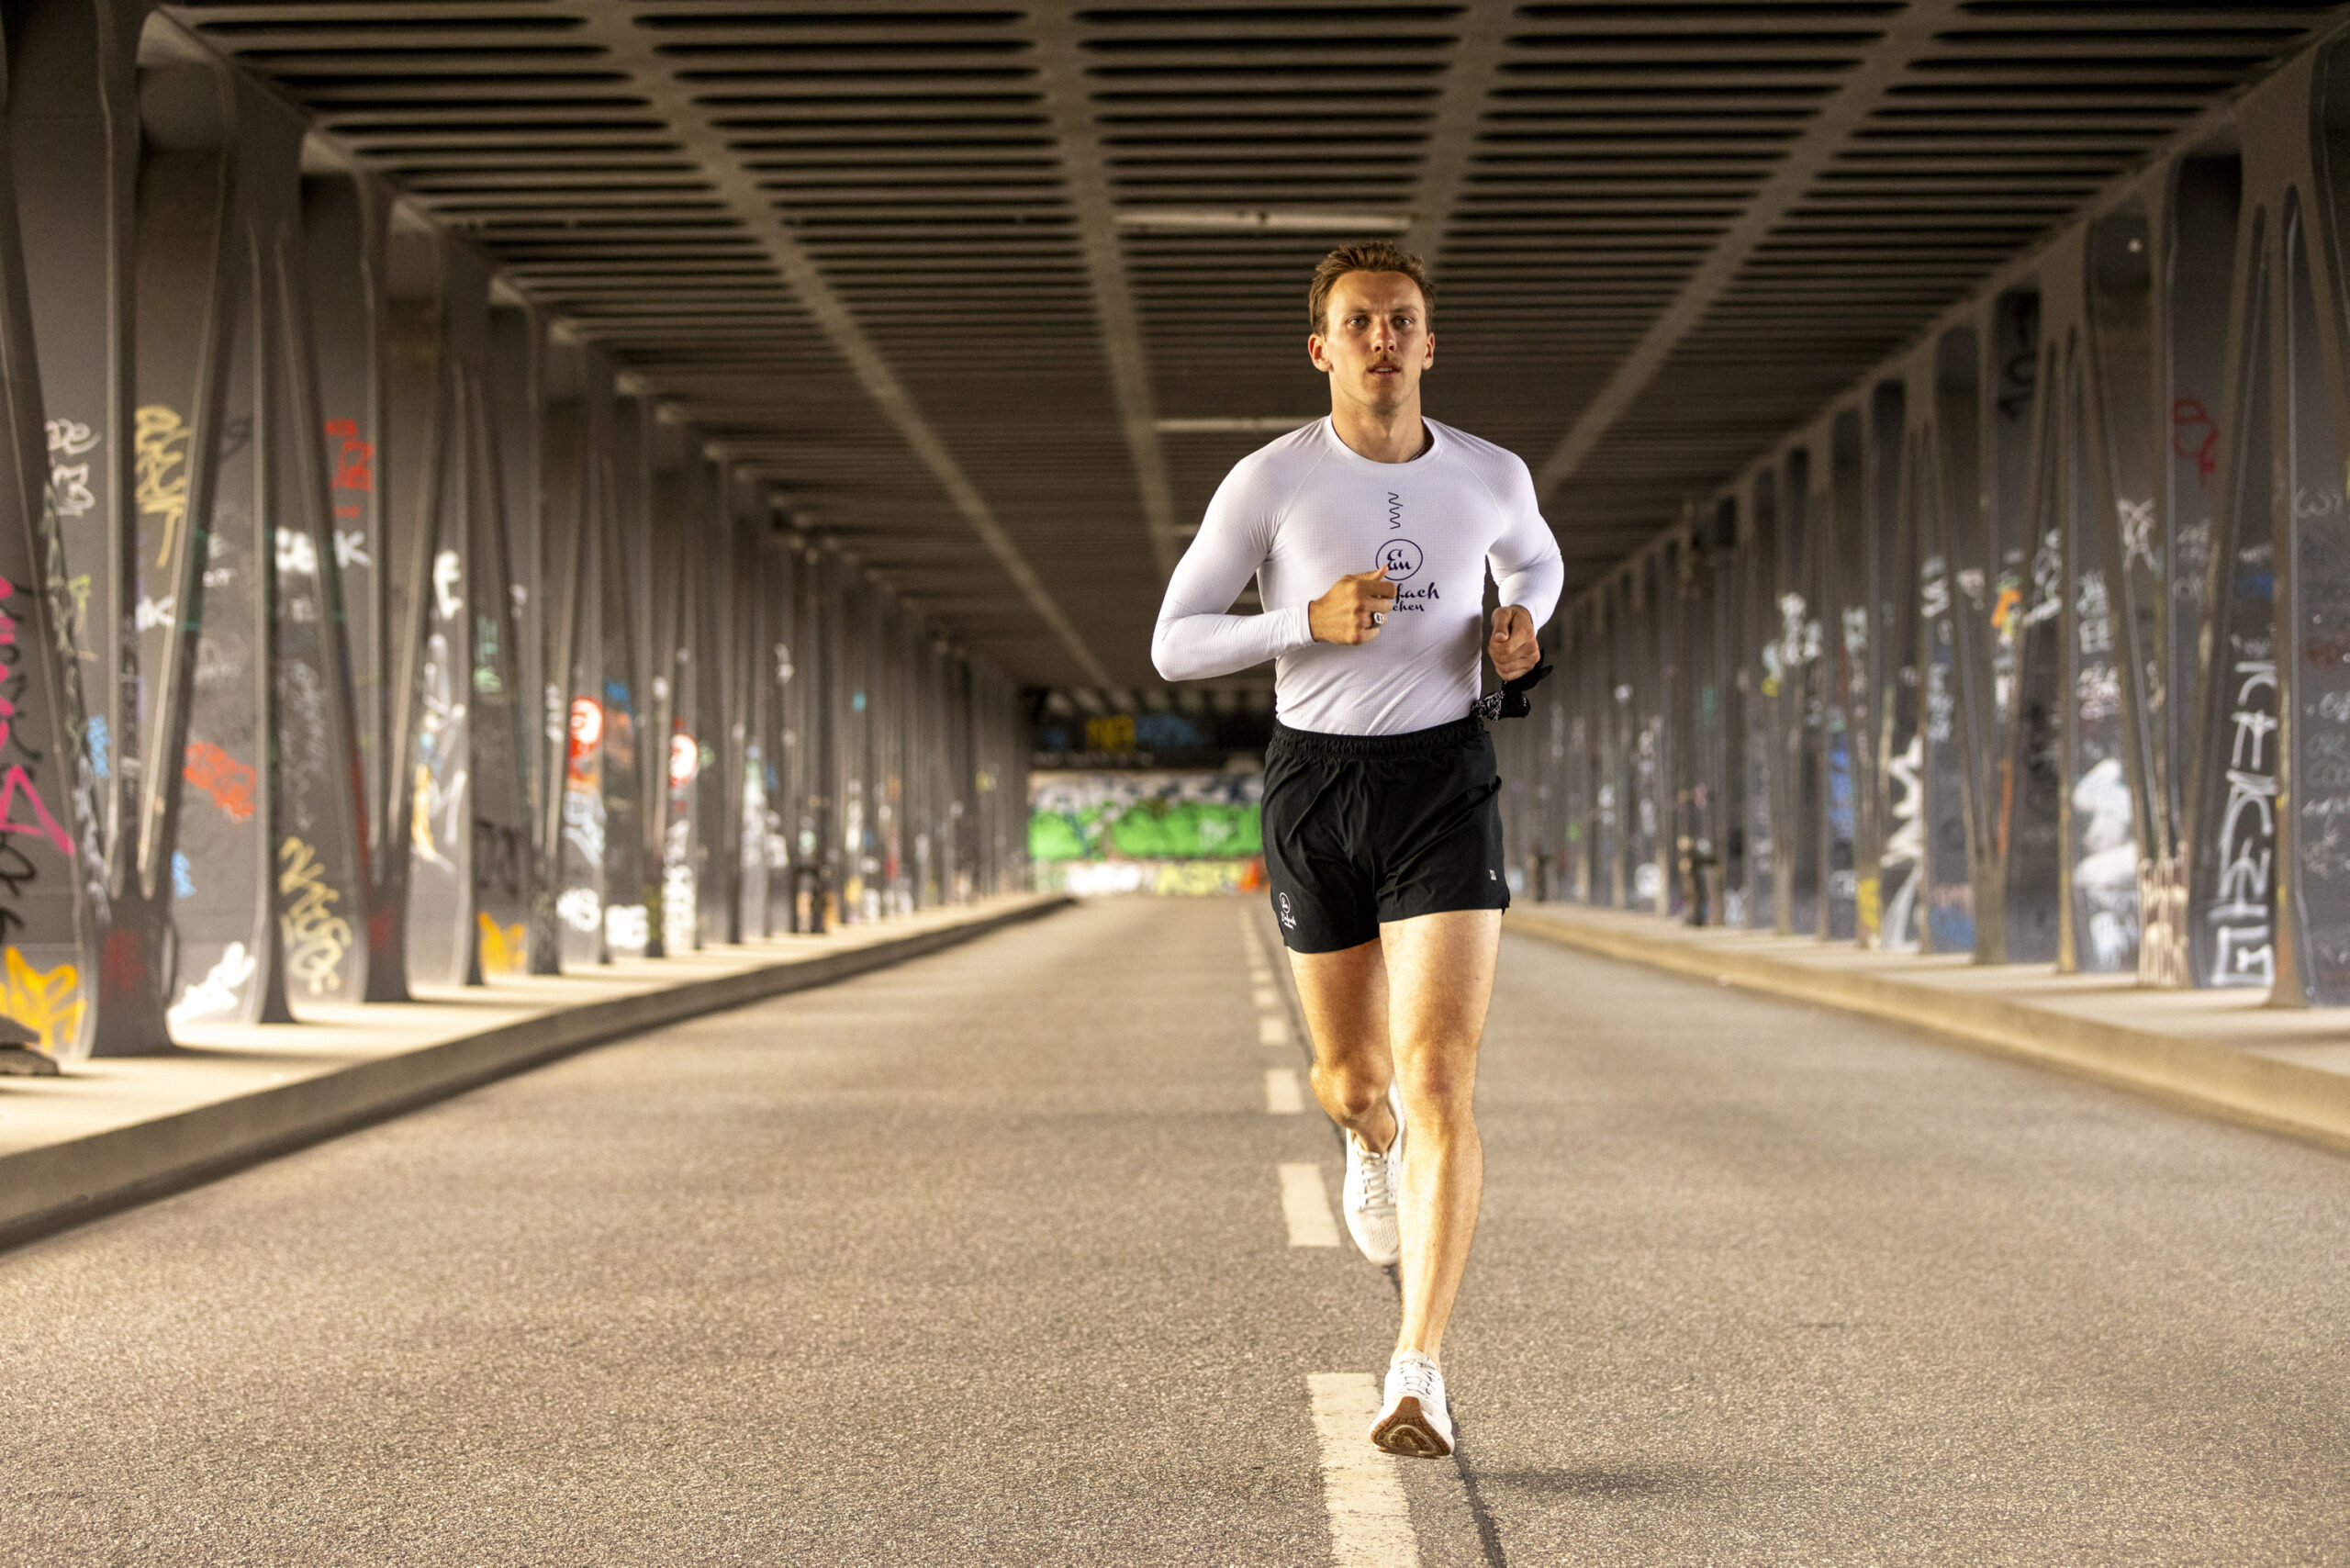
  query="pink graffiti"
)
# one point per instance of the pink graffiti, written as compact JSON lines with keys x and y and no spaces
{"x":17,"y":781}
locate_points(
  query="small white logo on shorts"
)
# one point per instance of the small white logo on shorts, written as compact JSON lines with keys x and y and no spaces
{"x":1288,"y":919}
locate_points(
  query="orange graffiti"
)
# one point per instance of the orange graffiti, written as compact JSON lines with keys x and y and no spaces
{"x":50,"y":1004}
{"x":229,"y":782}
{"x":505,"y":949}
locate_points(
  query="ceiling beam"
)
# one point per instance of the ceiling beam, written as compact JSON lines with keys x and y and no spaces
{"x":632,"y":49}
{"x":1061,"y":73}
{"x":1863,"y":89}
{"x":1452,"y":130}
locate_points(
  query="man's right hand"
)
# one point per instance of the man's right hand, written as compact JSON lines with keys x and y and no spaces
{"x":1344,"y":614}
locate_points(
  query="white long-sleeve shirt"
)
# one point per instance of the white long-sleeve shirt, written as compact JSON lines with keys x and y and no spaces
{"x":1307,"y":510}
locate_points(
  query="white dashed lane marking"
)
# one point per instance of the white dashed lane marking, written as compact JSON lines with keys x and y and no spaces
{"x":1272,"y":1029}
{"x":1370,"y":1522}
{"x":1282,"y":1097}
{"x":1268,"y":998}
{"x":1305,"y":1205}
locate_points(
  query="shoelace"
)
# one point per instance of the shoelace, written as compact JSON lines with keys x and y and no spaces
{"x":1376,"y":1193}
{"x":1415,"y":1376}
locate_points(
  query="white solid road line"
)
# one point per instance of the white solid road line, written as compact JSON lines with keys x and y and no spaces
{"x":1272,"y":1029}
{"x":1282,"y":1096}
{"x":1306,"y":1204}
{"x":1370,"y":1523}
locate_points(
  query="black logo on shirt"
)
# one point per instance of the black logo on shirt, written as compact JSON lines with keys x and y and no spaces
{"x":1401,"y":557}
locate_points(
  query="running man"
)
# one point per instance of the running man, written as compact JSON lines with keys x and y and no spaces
{"x":1369,"y":535}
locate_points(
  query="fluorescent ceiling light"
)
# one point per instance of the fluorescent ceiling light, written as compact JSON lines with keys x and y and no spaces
{"x":1245,"y":424}
{"x":1260,"y":219}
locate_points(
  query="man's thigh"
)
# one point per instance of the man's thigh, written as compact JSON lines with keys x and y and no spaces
{"x":1345,"y":997}
{"x":1440,"y":979}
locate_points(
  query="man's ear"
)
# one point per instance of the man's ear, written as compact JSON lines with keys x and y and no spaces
{"x":1313,"y":350}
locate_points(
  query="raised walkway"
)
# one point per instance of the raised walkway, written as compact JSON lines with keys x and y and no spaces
{"x":118,"y":1130}
{"x":2223,"y":1052}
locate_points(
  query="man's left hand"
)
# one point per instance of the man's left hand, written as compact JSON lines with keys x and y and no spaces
{"x":1512,"y":648}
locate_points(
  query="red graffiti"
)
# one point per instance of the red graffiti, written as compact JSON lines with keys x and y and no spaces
{"x":121,"y":965}
{"x":2195,"y":433}
{"x":355,"y":466}
{"x":15,"y":782}
{"x":229,"y":782}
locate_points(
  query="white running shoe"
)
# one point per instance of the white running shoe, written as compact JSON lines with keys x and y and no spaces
{"x":1373,"y":1181}
{"x":1415,"y":1422}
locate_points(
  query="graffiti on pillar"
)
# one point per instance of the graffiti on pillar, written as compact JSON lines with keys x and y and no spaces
{"x":440,"y":923}
{"x":2244,"y":950}
{"x":1902,"y":869}
{"x":48,"y":1001}
{"x":160,"y":468}
{"x":36,"y":924}
{"x":2320,"y":692}
{"x":317,"y":939}
{"x":220,"y":992}
{"x":505,"y":949}
{"x":69,"y":481}
{"x":1948,"y":886}
{"x":679,"y":911}
{"x":223,"y":928}
{"x":579,"y":907}
{"x":2105,"y":845}
{"x":222,"y":779}
{"x":317,"y":811}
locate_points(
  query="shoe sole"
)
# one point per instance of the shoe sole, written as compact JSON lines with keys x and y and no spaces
{"x":1409,"y":1433}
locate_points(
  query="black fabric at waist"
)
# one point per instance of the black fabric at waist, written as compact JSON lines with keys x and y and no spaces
{"x":1411,"y":743}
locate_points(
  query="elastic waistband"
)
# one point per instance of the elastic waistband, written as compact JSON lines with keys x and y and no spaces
{"x":1411,"y":743}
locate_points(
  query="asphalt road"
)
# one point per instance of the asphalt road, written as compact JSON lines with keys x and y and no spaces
{"x":983,"y":1260}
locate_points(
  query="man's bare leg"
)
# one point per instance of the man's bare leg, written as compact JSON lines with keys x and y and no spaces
{"x":1345,"y":996}
{"x":1439,"y":982}
{"x":1410,"y":1007}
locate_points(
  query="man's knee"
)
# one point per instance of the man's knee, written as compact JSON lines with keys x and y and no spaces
{"x":1347,"y":1088}
{"x":1441,"y":1086}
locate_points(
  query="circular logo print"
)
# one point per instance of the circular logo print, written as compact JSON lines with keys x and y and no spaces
{"x":1401,"y":557}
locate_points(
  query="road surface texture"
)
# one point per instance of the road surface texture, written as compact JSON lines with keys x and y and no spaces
{"x":987,"y":1259}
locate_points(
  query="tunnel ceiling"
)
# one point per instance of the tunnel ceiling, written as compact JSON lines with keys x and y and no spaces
{"x":995,"y":294}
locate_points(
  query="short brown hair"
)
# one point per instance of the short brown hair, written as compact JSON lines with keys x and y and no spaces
{"x":1364,"y":256}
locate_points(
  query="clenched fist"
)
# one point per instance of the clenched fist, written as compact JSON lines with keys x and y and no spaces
{"x":1512,"y":648}
{"x":1346,"y":613}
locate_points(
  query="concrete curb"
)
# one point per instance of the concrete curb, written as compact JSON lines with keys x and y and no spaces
{"x":2240,"y":1086}
{"x":59,"y":1185}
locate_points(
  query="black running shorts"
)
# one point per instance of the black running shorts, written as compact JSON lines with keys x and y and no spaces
{"x":1361,"y":829}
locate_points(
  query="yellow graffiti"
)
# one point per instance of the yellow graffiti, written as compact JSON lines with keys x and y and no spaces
{"x":505,"y":949}
{"x":159,"y":461}
{"x":50,"y":1004}
{"x":419,"y":819}
{"x":315,"y":937}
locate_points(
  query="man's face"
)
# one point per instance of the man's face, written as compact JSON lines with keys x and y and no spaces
{"x":1374,"y":341}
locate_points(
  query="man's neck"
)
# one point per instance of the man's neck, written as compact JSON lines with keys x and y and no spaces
{"x":1395,"y":435}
